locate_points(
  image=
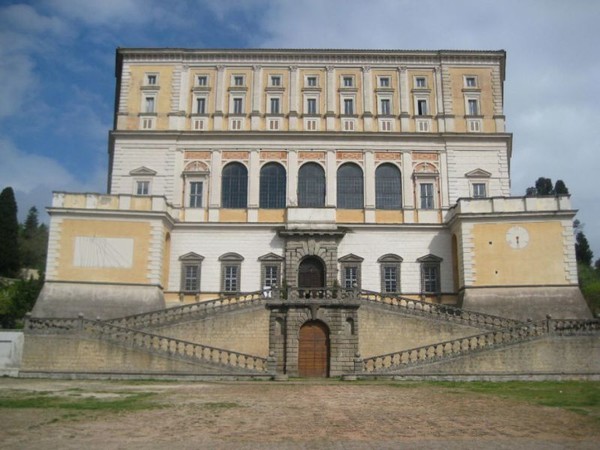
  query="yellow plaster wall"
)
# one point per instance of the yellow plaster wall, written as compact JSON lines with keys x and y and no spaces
{"x":350,"y":216}
{"x":484,"y":88}
{"x":233,"y":215}
{"x":74,"y":201}
{"x":72,"y":228}
{"x":497,"y":263}
{"x":388,"y":216}
{"x":162,"y":105}
{"x":271,"y":215}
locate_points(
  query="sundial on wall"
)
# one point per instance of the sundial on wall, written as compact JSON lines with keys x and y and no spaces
{"x":517,"y":237}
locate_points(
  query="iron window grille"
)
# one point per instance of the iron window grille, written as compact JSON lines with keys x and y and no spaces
{"x":388,"y":187}
{"x":350,"y":187}
{"x":311,"y":186}
{"x":272,"y":186}
{"x":234,"y":186}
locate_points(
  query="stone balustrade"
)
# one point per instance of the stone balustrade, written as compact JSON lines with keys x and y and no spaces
{"x":534,"y":204}
{"x":121,"y":202}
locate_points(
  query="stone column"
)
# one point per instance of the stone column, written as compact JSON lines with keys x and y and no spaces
{"x":214,"y":202}
{"x":404,"y":91}
{"x":330,"y":179}
{"x":331,"y":99}
{"x":439,"y":101}
{"x":293,"y":98}
{"x":408,"y":189}
{"x":253,"y":185}
{"x":367,"y":98}
{"x":256,"y":97}
{"x":220,"y":93}
{"x":292,"y":182}
{"x":369,"y":177}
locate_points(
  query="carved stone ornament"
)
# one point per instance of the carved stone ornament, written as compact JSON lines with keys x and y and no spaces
{"x":220,"y":68}
{"x":330,"y":68}
{"x":256,"y":67}
{"x":293,"y":68}
{"x":366,"y":69}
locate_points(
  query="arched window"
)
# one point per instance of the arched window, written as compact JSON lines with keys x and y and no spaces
{"x":234,"y":186}
{"x":388,"y":187}
{"x":311,"y":186}
{"x":350,"y":189}
{"x":272,"y":186}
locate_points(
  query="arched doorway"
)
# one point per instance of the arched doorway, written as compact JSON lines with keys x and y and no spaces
{"x":311,"y":273}
{"x":313,"y":350}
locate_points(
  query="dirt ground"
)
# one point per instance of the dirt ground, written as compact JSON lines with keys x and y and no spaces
{"x":288,"y":415}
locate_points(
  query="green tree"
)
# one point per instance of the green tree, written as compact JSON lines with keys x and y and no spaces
{"x":31,"y":223}
{"x":33,"y":242}
{"x":544,"y":186}
{"x":9,"y":234}
{"x":583,"y":252}
{"x":16,"y":300}
{"x":560,"y":188}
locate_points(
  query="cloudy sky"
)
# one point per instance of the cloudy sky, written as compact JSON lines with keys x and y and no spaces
{"x":57,"y":74}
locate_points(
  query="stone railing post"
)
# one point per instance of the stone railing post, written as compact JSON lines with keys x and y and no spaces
{"x":272,"y":364}
{"x":80,"y":322}
{"x":548,"y":323}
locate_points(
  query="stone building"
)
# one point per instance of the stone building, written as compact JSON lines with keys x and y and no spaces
{"x":312,"y":177}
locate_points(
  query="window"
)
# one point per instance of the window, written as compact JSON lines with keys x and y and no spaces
{"x":350,"y":274}
{"x":311,"y":81}
{"x":430,"y":274}
{"x":479,"y":190}
{"x":427,"y":200}
{"x":347,"y":81}
{"x":149,"y":105}
{"x":200,"y":105}
{"x":422,"y":109}
{"x":384,"y":82}
{"x":275,"y":80}
{"x":190,"y":272}
{"x":473,"y":107}
{"x":350,"y":189}
{"x":238,"y":80}
{"x":311,"y":186}
{"x":238,"y":105}
{"x":196,"y":194}
{"x":270,"y":270}
{"x":471,"y":81}
{"x":385,"y":109}
{"x":348,"y":106}
{"x":420,"y":82}
{"x":350,"y":271}
{"x":390,"y":273}
{"x":151,"y":79}
{"x":271,"y":276}
{"x":230,"y":272}
{"x":202,"y":80}
{"x":311,"y":106}
{"x":272,"y":186}
{"x":234,"y":186}
{"x":388,"y":187}
{"x":274,"y":105}
{"x":142,"y":187}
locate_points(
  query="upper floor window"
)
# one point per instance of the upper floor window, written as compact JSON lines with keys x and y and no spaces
{"x":274,"y":105}
{"x":238,"y":80}
{"x":422,"y":108}
{"x":311,"y":81}
{"x":272,"y":186}
{"x":350,"y":190}
{"x":427,"y":198}
{"x":196,"y":194}
{"x":149,"y":104}
{"x":201,"y":105}
{"x":231,"y":265}
{"x":430,"y":274}
{"x":347,"y":81}
{"x":471,"y":81}
{"x":151,"y":79}
{"x":270,"y":270}
{"x":385,"y":107}
{"x":384,"y":82}
{"x":311,"y":106}
{"x":142,"y":187}
{"x":479,"y":190}
{"x":202,"y":80}
{"x":311,"y":186}
{"x":234,"y":186}
{"x":191,"y":264}
{"x":420,"y":82}
{"x":238,"y":105}
{"x":276,"y":80}
{"x":388,"y":187}
{"x":390,"y":273}
{"x":348,"y":106}
{"x":473,"y":106}
{"x":350,"y":271}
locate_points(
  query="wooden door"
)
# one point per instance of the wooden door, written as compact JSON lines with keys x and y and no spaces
{"x":313,"y":350}
{"x":311,"y":273}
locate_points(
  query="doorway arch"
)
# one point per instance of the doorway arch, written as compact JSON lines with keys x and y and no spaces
{"x":311,"y":273}
{"x":313,"y":349}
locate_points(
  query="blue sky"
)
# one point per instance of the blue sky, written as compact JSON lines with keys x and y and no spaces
{"x":57,"y":74}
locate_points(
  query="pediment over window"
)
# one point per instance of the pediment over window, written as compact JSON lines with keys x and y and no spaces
{"x":196,"y":167}
{"x":478,"y":173}
{"x":270,"y":257}
{"x":351,"y":257}
{"x":425,"y":169}
{"x":390,"y":258}
{"x":231,"y":256}
{"x":191,"y":257}
{"x":143,"y":171}
{"x":430,"y":258}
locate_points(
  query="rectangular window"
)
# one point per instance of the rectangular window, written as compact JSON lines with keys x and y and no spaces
{"x":350,"y":277}
{"x":421,"y":82}
{"x":473,"y":107}
{"x":151,"y":80}
{"x":470,"y":81}
{"x":390,"y":278}
{"x":348,"y":81}
{"x":191,"y":278}
{"x":142,"y":188}
{"x":274,"y":105}
{"x":422,"y":107}
{"x":238,"y":80}
{"x":149,"y":105}
{"x":384,"y":82}
{"x":311,"y":81}
{"x":271,"y":276}
{"x":275,"y":80}
{"x":479,"y":190}
{"x":348,"y":106}
{"x":238,"y":106}
{"x":427,"y":196}
{"x":231,"y":278}
{"x":202,"y":80}
{"x":385,"y":107}
{"x":196,"y":194}
{"x":431,"y":278}
{"x":200,"y":105}
{"x":311,"y":106}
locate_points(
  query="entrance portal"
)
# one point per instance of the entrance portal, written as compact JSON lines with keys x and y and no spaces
{"x":311,"y":273}
{"x":313,"y":350}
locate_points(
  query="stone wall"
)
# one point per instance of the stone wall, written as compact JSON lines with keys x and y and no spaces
{"x":383,"y":331}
